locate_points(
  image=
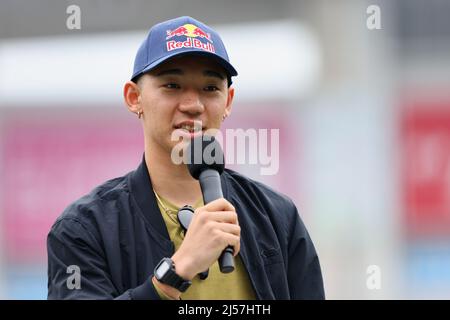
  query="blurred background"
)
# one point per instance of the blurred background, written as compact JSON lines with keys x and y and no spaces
{"x":363,"y":116}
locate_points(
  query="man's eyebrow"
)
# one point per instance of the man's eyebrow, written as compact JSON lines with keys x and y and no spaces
{"x":169,"y":72}
{"x":215,"y":74}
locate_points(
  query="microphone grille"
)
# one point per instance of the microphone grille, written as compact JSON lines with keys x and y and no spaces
{"x":204,"y":152}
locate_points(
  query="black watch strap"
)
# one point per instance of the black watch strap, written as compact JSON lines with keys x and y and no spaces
{"x":165,"y":273}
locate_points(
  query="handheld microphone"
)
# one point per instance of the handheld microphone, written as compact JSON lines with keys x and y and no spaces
{"x":206,"y":164}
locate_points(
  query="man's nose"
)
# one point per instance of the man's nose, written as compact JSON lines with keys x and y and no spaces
{"x":191,"y":102}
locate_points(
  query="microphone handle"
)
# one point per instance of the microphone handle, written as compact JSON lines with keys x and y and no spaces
{"x":210,"y":185}
{"x":212,"y":190}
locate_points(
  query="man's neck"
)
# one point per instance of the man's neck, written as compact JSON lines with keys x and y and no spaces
{"x":171,"y":181}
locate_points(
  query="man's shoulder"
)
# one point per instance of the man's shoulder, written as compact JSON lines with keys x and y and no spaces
{"x":244,"y":185}
{"x":86,"y":207}
{"x":262,"y":203}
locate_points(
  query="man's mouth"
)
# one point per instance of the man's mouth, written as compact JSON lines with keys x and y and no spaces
{"x":190,"y":126}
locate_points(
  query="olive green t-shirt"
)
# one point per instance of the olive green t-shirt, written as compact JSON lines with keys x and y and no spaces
{"x":228,"y":286}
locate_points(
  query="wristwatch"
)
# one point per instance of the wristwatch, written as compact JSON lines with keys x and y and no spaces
{"x":165,"y":273}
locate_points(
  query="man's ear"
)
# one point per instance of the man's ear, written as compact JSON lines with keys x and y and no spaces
{"x":132,"y":97}
{"x":229,"y":104}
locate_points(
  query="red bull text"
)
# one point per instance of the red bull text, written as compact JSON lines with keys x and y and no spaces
{"x":192,"y":33}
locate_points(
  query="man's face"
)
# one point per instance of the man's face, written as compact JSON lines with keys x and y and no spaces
{"x":181,"y":94}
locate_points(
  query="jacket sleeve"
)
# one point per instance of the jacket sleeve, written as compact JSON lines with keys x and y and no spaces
{"x":77,"y":267}
{"x":304,"y":273}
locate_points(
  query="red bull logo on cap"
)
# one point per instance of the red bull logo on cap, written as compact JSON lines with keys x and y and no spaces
{"x":191,"y":32}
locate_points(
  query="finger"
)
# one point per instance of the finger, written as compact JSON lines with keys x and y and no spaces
{"x":223,"y":217}
{"x":221,"y":204}
{"x":229,"y":228}
{"x":232,"y":240}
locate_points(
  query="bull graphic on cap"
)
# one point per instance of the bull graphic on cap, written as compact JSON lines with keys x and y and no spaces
{"x":188,"y":30}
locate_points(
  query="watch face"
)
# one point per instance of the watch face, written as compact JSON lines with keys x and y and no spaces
{"x":162,"y":269}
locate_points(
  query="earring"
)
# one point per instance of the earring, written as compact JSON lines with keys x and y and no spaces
{"x":224,"y":117}
{"x":139,"y":114}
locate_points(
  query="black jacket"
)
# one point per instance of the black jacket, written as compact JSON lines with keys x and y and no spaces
{"x":116,"y":236}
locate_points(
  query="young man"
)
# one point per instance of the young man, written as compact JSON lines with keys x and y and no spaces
{"x":124,"y":238}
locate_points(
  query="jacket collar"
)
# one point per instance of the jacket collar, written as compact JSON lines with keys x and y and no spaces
{"x":142,"y":191}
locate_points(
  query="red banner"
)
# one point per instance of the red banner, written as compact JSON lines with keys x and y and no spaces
{"x":426,"y":166}
{"x":48,"y":162}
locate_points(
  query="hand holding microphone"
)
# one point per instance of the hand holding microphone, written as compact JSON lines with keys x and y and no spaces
{"x":214,"y":232}
{"x":206,"y":165}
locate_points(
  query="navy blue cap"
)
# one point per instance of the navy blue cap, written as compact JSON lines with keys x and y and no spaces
{"x":176,"y":37}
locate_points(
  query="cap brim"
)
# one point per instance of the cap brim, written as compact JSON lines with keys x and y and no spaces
{"x":231,"y":71}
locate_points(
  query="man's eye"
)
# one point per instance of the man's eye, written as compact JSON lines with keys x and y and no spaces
{"x":211,"y":88}
{"x":172,"y":86}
